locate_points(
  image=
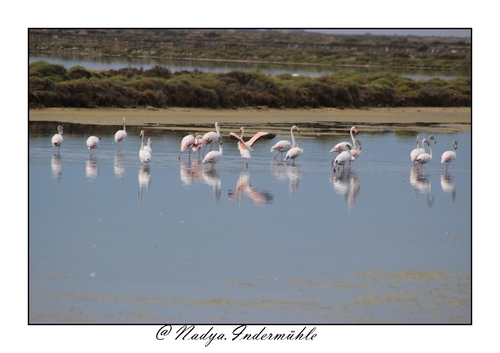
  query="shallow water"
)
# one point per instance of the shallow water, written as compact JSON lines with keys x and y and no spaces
{"x":111,"y":241}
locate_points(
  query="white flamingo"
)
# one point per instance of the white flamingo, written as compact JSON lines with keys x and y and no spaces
{"x":92,"y":142}
{"x":211,"y":137}
{"x":355,"y":151}
{"x":57,"y":139}
{"x":425,"y":157}
{"x":449,"y":156}
{"x":414,"y":154}
{"x":285,"y":145}
{"x":342,"y":158}
{"x":144,"y":154}
{"x":246,"y":147}
{"x":149,"y":146}
{"x":294,"y":152}
{"x":120,"y":136}
{"x":213,"y":157}
{"x":341,"y":146}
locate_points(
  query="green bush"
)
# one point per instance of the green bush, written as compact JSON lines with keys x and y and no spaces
{"x":53,"y":86}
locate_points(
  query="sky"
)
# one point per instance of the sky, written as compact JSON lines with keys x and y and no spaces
{"x":448,"y":32}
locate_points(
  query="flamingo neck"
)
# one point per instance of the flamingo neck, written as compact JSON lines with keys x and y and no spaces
{"x":217,"y":129}
{"x":293,"y":138}
{"x":352,"y":138}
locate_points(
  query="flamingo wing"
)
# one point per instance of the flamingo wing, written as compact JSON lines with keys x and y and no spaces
{"x":236,"y":136}
{"x":255,"y":137}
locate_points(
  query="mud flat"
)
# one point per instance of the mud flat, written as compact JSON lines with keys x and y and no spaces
{"x":325,"y":121}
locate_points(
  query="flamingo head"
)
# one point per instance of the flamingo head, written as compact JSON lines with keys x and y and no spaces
{"x":354,"y":130}
{"x":358,"y":144}
{"x":296,"y":128}
{"x":432,"y":138}
{"x":455,"y":144}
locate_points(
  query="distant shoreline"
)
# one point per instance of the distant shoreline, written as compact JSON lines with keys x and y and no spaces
{"x":323,"y":121}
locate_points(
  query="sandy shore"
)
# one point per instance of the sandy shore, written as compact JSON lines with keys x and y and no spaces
{"x":311,"y":121}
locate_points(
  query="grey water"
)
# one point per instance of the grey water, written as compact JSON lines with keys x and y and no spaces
{"x":107,"y":63}
{"x":112,"y":241}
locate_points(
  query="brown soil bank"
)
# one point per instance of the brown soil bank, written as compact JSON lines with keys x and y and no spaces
{"x":326,"y":121}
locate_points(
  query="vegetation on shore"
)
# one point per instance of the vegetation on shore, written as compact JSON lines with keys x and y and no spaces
{"x":56,"y":86}
{"x":278,"y":46}
{"x":53,"y":85}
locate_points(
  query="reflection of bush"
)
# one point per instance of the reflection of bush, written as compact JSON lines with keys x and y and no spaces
{"x":54,"y":86}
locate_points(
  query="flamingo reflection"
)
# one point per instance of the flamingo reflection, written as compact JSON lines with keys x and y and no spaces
{"x":448,"y":185}
{"x":190,"y":173}
{"x":144,"y":178}
{"x":347,"y":185}
{"x":119,"y":167}
{"x":56,"y":166}
{"x":243,"y":185}
{"x":421,"y":184}
{"x":285,"y":171}
{"x":91,"y":168}
{"x":211,"y":177}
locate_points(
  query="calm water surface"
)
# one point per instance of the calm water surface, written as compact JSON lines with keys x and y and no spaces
{"x":111,"y":241}
{"x":99,"y":62}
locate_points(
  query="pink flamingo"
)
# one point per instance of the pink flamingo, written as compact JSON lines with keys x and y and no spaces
{"x":213,"y":157}
{"x":449,"y":156}
{"x":293,"y":153}
{"x":425,"y":157}
{"x":144,"y":154}
{"x":198,"y":142}
{"x":246,"y":147}
{"x":285,"y":145}
{"x":211,"y":137}
{"x":186,"y":142}
{"x":120,"y":136}
{"x":342,"y":158}
{"x":92,"y":142}
{"x":57,"y":139}
{"x":415,"y":152}
{"x":341,"y":146}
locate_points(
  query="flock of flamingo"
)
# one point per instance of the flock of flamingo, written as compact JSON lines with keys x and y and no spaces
{"x":347,"y":152}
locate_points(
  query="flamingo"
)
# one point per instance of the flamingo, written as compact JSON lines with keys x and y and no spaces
{"x":213,"y":156}
{"x":355,"y":151}
{"x":415,"y":151}
{"x":341,"y":146}
{"x":211,"y":137}
{"x":120,"y":136}
{"x":149,"y":146}
{"x":285,"y":145}
{"x":186,"y":142}
{"x":294,"y":152}
{"x":92,"y":142}
{"x":57,"y":139}
{"x":198,"y":142}
{"x":342,"y":158}
{"x":246,"y":147}
{"x":414,"y":154}
{"x":144,"y":154}
{"x":449,"y":156}
{"x":425,"y":157}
